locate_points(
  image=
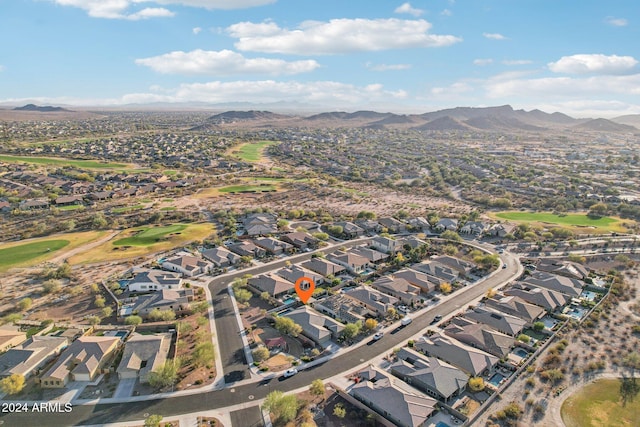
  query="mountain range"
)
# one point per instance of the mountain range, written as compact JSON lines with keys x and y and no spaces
{"x":501,"y":118}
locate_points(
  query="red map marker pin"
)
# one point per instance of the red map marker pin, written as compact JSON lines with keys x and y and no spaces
{"x":304,"y":288}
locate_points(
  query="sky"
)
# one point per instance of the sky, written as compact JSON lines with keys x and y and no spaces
{"x":577,"y":57}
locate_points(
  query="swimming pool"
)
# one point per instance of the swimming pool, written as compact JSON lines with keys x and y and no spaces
{"x":521,"y":352}
{"x":289,"y":301}
{"x":496,"y":379}
{"x":588,"y":295}
{"x":442,"y":424}
{"x":576,"y":312}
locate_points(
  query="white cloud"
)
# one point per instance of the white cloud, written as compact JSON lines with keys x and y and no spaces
{"x":446,"y":12}
{"x":115,"y":9}
{"x":224,"y":62}
{"x":407,"y":8}
{"x":517,"y":62}
{"x":616,"y":22}
{"x":121,"y":9}
{"x":593,"y":64}
{"x":482,"y":61}
{"x":196,"y":30}
{"x":454,"y":89}
{"x":265,"y":91}
{"x":337,"y":36}
{"x":387,"y":67}
{"x":494,"y":36}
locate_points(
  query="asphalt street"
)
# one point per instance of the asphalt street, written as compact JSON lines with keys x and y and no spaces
{"x":104,"y":413}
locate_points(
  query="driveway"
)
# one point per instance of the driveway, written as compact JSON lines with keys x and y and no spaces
{"x":125,"y":388}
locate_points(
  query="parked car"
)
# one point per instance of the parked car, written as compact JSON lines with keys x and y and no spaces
{"x":290,"y":372}
{"x":437,"y":318}
{"x":378,"y":335}
{"x":406,"y":320}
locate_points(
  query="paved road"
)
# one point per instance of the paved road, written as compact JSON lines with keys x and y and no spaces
{"x":250,"y":417}
{"x":103,"y":413}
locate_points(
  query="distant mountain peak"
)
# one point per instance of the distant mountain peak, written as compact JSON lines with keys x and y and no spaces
{"x":40,"y":109}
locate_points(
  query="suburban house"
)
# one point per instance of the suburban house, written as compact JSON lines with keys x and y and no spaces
{"x":463,"y":267}
{"x":10,"y":336}
{"x":419,"y":223}
{"x":81,"y":361}
{"x":402,"y":407}
{"x":34,"y":204}
{"x":410,"y":242}
{"x":501,"y":230}
{"x":323,"y":267}
{"x":479,"y":336}
{"x":446,"y":224}
{"x":341,"y":307}
{"x":416,"y":278}
{"x":294,"y":272}
{"x":349,"y":229}
{"x":501,"y":322}
{"x":474,"y":228}
{"x":187,"y":265}
{"x":369,"y":225}
{"x":31,"y":355}
{"x":374,"y":301}
{"x":438,"y":273}
{"x":566,"y":285}
{"x":154,"y":280}
{"x":356,"y":264}
{"x":143,"y":354}
{"x":302,"y":241}
{"x":373,"y":256}
{"x":166,"y":299}
{"x":473,"y":361}
{"x":271,"y":283}
{"x":569,"y":269}
{"x":392,"y":225}
{"x":220,"y":257}
{"x":429,"y":374}
{"x":260,"y":224}
{"x":545,"y":298}
{"x":68,"y":200}
{"x":273,"y":246}
{"x":399,"y":288}
{"x":386,"y":245}
{"x":515,"y":306}
{"x":315,"y":326}
{"x":247,"y":248}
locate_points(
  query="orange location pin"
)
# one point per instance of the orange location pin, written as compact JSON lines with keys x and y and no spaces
{"x":304,"y":288}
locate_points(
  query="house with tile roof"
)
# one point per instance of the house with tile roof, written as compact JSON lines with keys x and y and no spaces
{"x":472,"y":361}
{"x":501,"y":322}
{"x":154,"y":280}
{"x":315,"y":326}
{"x":31,"y":355}
{"x":480,"y":336}
{"x":323,"y":266}
{"x":271,"y":283}
{"x":143,"y":354}
{"x":399,"y":288}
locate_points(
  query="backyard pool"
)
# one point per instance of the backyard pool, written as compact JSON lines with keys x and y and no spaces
{"x":549,"y":322}
{"x":442,"y":424}
{"x":496,"y":379}
{"x":588,"y":295}
{"x":521,"y":352}
{"x":123,"y":283}
{"x":576,"y":312}
{"x":289,"y":301}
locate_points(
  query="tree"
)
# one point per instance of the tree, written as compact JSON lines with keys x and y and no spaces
{"x":243,"y":295}
{"x":598,"y":210}
{"x":392,"y":313}
{"x":203,"y":354}
{"x":287,"y":326}
{"x":476,"y":384}
{"x":451,"y":235}
{"x":370,"y":324}
{"x":165,"y":375}
{"x":133,"y":320}
{"x":538,"y":326}
{"x":261,"y":353}
{"x":157,"y":315}
{"x":339,"y":410}
{"x":317,"y":388}
{"x":200,"y":307}
{"x":284,"y":408}
{"x":25,"y":304}
{"x":153,"y":420}
{"x":107,"y":311}
{"x":51,"y":286}
{"x":351,"y":330}
{"x":98,"y":221}
{"x":445,"y":288}
{"x":491,"y":293}
{"x":99,"y":301}
{"x":12,"y":384}
{"x":632,"y":361}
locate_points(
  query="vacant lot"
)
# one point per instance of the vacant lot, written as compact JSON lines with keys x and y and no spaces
{"x":576,"y":222}
{"x":252,"y":151}
{"x":82,"y":164}
{"x":143,"y":241}
{"x":35,"y":251}
{"x":600,"y":404}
